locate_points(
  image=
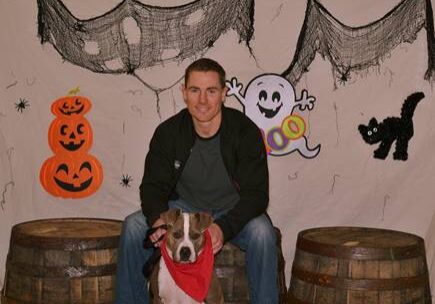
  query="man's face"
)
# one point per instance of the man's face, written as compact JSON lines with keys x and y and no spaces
{"x":204,"y":95}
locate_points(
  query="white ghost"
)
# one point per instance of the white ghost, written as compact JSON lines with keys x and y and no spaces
{"x":269,"y":101}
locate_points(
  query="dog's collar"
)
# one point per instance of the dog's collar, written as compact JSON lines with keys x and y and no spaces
{"x":193,"y":278}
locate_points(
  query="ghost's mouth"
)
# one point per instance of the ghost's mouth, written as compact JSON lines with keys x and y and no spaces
{"x":269,"y":113}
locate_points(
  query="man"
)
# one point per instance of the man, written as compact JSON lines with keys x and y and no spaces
{"x":205,"y":158}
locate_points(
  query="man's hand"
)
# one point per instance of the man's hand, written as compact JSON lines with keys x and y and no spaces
{"x":217,"y":237}
{"x":158,"y":233}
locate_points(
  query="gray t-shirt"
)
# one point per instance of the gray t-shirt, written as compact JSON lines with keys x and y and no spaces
{"x":205,"y":182}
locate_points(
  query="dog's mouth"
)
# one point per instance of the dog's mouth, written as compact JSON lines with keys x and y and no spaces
{"x":185,"y":262}
{"x":185,"y":255}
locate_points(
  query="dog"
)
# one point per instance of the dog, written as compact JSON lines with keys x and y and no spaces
{"x":184,"y":273}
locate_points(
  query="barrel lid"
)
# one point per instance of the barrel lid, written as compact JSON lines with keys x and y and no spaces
{"x":360,"y":242}
{"x":68,"y":233}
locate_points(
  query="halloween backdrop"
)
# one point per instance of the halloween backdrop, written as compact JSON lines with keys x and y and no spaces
{"x":342,"y":90}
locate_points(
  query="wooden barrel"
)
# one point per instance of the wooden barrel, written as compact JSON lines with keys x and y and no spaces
{"x":355,"y":265}
{"x":231,"y":270}
{"x":71,"y":260}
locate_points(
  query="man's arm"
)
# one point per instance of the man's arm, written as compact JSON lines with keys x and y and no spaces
{"x":156,"y":181}
{"x":252,"y":176}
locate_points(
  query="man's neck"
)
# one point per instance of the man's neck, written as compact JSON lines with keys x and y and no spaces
{"x":206,"y":130}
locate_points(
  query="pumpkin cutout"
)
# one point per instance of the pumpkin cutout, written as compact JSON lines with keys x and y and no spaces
{"x":71,"y":105}
{"x":70,"y":134}
{"x":71,"y":175}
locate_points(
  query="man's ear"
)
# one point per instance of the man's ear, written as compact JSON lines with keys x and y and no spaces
{"x":204,"y":220}
{"x":224,"y":93}
{"x":170,"y":216}
{"x":183,"y":91}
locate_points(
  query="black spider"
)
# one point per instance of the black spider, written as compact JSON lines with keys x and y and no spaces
{"x":22,"y":105}
{"x":344,"y":76}
{"x":125,"y":180}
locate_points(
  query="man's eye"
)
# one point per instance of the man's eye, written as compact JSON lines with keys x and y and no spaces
{"x":195,"y":236}
{"x":178,"y":234}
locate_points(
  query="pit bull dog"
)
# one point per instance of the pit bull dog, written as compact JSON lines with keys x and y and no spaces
{"x":184,"y":274}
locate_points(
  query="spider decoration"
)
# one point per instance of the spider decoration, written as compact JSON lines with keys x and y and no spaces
{"x":344,"y":76}
{"x":125,"y":180}
{"x":22,"y":105}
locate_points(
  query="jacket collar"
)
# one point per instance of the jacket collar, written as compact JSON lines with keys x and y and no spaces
{"x":190,"y":129}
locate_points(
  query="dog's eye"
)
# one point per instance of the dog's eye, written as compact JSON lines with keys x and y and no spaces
{"x":195,"y":236}
{"x":178,"y":234}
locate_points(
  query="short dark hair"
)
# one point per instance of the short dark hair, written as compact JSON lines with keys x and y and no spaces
{"x":205,"y":65}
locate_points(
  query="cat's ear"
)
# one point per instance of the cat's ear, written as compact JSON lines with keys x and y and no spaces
{"x":362,"y":129}
{"x":373,"y":122}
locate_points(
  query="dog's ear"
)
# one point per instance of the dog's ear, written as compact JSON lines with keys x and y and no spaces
{"x":204,"y":220}
{"x":170,"y":216}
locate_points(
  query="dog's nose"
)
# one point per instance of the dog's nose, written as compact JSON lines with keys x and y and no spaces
{"x":184,"y":254}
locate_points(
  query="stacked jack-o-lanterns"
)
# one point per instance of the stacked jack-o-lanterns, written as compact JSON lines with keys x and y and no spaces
{"x":71,"y":172}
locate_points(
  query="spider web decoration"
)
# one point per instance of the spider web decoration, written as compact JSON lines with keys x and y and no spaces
{"x":354,"y":49}
{"x":135,"y":35}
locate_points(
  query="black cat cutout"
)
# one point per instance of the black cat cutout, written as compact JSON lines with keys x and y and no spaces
{"x":399,"y":129}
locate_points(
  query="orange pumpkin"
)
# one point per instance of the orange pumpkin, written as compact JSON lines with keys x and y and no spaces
{"x":71,"y":175}
{"x":70,"y":134}
{"x":71,"y":105}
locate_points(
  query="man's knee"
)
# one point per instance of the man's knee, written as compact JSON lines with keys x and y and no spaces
{"x":261,"y":230}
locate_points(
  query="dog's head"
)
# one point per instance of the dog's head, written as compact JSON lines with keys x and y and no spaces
{"x":185,"y":237}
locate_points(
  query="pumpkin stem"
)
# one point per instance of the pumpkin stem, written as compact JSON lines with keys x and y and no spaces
{"x":74,"y":91}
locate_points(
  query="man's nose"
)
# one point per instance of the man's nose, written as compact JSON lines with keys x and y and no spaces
{"x":203,"y":97}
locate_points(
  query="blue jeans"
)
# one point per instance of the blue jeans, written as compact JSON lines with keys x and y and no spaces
{"x":257,"y":239}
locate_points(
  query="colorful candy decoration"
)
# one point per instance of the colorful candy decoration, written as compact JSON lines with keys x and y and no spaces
{"x":71,"y":172}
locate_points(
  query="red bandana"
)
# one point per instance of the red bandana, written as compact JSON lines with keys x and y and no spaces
{"x":193,"y":278}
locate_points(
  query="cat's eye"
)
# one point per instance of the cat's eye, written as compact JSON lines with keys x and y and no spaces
{"x":375,"y":130}
{"x":369,"y":133}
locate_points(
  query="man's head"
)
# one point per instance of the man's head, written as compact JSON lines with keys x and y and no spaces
{"x":206,"y":65}
{"x":204,"y":92}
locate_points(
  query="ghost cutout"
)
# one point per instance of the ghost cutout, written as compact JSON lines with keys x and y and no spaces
{"x":269,"y":101}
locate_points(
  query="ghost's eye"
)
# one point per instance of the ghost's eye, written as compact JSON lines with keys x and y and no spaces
{"x":177,"y":234}
{"x":276,"y":97}
{"x":375,"y":130}
{"x":369,"y":133}
{"x":262,"y":95}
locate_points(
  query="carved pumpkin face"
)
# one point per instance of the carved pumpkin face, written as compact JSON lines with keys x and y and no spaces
{"x":72,"y":134}
{"x":71,"y":175}
{"x":71,"y":105}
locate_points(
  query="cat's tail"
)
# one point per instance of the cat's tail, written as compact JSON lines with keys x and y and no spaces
{"x":410,"y":104}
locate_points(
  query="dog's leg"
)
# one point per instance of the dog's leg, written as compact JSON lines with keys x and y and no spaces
{"x":154,"y":288}
{"x":215,"y":294}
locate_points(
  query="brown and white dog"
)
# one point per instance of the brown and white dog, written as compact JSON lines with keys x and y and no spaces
{"x":185,"y":242}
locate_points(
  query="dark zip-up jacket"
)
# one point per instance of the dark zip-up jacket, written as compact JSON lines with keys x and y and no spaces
{"x":243,"y":154}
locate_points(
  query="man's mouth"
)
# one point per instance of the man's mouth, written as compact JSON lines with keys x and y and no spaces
{"x":269,"y":113}
{"x":202,"y":110}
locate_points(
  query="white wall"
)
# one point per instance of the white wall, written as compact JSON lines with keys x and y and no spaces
{"x":343,"y":185}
